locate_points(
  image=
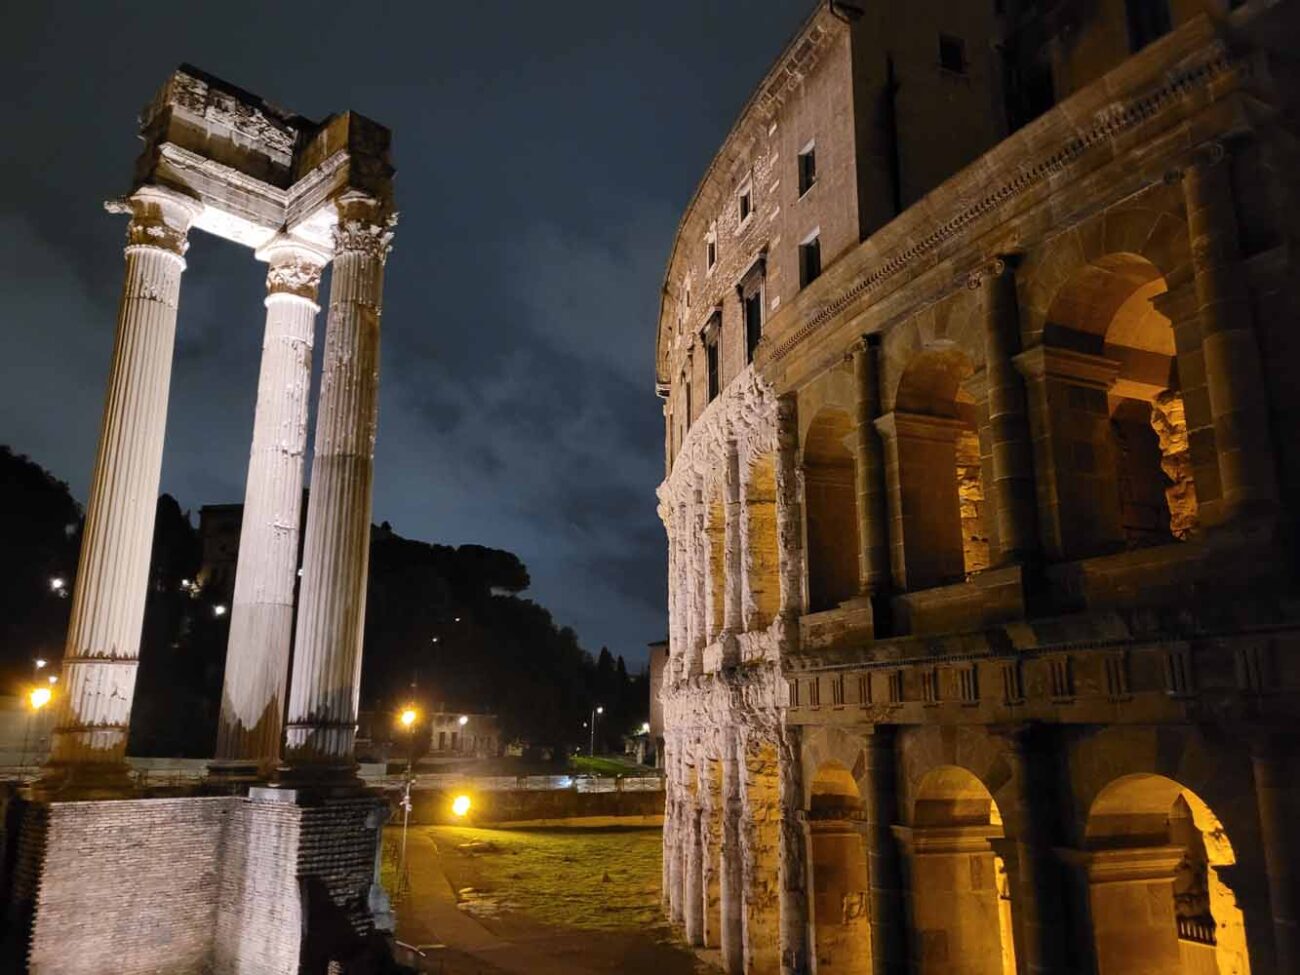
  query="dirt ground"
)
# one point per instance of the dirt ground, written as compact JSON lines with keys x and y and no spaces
{"x":539,"y":901}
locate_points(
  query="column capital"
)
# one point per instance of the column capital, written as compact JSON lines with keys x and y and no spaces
{"x":995,"y":267}
{"x":160,"y":219}
{"x":294,"y":268}
{"x":365,"y":226}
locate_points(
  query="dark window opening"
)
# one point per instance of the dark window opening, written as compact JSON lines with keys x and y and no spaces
{"x":746,"y":204}
{"x":807,"y":169}
{"x":810,"y":261}
{"x":952,"y":54}
{"x":689,"y":419}
{"x":1147,"y":20}
{"x":711,"y":252}
{"x":753,"y":323}
{"x":711,"y":361}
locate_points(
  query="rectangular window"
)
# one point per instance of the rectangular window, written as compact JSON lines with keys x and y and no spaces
{"x":689,"y":418}
{"x":753,"y":323}
{"x":442,"y":741}
{"x":455,"y":735}
{"x":746,"y":203}
{"x":810,"y":260}
{"x":711,"y":251}
{"x":713,"y":339}
{"x":952,"y":54}
{"x":807,"y":169}
{"x":711,"y":357}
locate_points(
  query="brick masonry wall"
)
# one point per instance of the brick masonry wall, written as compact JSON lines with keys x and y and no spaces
{"x":128,"y":886}
{"x":190,"y":885}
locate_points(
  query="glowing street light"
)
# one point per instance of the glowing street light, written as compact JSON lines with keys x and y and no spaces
{"x":219,"y":610}
{"x":59,"y":585}
{"x":463,"y":720}
{"x":460,"y":805}
{"x":407,"y":718}
{"x":40,"y":663}
{"x":39,"y":697}
{"x":598,"y":710}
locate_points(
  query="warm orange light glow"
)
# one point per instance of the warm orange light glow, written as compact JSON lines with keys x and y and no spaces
{"x":39,"y":697}
{"x":408,"y":717}
{"x":460,"y":805}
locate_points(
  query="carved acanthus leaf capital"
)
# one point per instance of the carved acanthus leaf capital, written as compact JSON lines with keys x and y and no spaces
{"x":160,"y":219}
{"x":293,"y":268}
{"x":365,"y":227}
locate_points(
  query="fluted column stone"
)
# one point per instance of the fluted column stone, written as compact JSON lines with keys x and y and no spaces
{"x":326,"y":682}
{"x":103,"y":644}
{"x":693,"y":895}
{"x":261,"y":614}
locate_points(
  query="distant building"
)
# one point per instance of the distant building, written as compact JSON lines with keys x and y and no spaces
{"x":455,"y":734}
{"x":219,"y":526}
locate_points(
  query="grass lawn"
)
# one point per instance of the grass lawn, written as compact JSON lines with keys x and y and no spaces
{"x":601,"y":766}
{"x":591,"y":879}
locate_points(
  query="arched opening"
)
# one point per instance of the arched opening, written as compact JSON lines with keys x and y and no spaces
{"x":1159,"y":904}
{"x":934,"y":446}
{"x":960,"y":892}
{"x":830,"y":511}
{"x":1123,"y":416}
{"x":841,"y":897}
{"x":761,"y":600}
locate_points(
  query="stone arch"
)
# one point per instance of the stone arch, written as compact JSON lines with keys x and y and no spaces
{"x":841,"y":897}
{"x":937,"y":497}
{"x":830,"y":509}
{"x":761,"y":594}
{"x":1125,"y":395}
{"x":960,"y":891}
{"x":1154,"y":852}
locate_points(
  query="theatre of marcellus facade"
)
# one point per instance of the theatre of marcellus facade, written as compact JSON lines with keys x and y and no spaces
{"x":977,"y":351}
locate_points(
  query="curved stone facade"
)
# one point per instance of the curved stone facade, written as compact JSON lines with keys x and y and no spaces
{"x":983,"y":627}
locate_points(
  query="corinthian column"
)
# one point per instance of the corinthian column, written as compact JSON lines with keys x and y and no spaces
{"x":327,"y":646}
{"x":103,"y":647}
{"x":261,"y":616}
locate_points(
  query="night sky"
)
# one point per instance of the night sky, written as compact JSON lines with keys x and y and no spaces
{"x":544,"y":153}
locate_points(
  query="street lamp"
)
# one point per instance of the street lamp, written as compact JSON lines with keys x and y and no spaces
{"x":407,"y":718}
{"x":595,"y":712}
{"x":37,"y":698}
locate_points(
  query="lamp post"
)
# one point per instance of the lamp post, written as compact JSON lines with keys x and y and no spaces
{"x":595,"y":712}
{"x":407,"y":718}
{"x":36,"y":699}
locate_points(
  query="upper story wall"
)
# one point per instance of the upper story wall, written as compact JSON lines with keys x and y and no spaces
{"x":1053,"y":48}
{"x":804,"y":104}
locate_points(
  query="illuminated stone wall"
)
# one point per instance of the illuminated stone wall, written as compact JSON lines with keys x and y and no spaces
{"x":1017,"y":667}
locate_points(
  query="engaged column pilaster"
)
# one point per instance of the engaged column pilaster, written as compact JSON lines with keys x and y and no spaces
{"x":103,"y":645}
{"x":261,"y":617}
{"x":324,"y":690}
{"x":1014,"y":489}
{"x":1234,"y":376}
{"x":869,"y":474}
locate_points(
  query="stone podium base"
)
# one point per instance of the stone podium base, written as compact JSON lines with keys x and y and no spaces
{"x":275,"y":882}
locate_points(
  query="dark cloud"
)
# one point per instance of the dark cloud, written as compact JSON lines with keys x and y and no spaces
{"x":544,"y":155}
